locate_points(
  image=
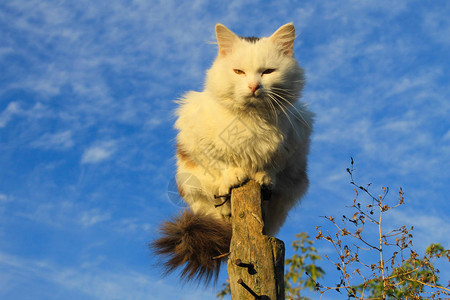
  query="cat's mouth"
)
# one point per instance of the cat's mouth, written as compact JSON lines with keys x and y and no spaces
{"x":256,"y":96}
{"x":254,"y":99}
{"x":257,"y":101}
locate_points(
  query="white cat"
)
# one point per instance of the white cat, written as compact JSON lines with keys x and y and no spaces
{"x":246,"y":124}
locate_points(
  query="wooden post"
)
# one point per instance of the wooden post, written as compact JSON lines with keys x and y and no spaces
{"x":256,"y":262}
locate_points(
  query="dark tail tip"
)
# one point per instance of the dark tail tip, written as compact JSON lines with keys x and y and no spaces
{"x":190,"y":241}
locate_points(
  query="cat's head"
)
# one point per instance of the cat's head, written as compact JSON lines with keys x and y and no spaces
{"x":255,"y":73}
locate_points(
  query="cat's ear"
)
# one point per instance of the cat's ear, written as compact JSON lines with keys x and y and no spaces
{"x":284,"y":37}
{"x":225,"y":39}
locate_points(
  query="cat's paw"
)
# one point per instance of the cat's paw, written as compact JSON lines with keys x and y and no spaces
{"x":223,"y":190}
{"x":264,"y":179}
{"x":231,"y":178}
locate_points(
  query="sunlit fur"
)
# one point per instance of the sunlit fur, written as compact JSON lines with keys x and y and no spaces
{"x":230,"y":132}
{"x":192,"y":240}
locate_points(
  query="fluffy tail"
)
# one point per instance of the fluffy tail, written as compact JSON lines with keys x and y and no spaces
{"x":191,"y":241}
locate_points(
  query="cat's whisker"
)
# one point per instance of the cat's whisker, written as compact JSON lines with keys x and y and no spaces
{"x":287,"y":112}
{"x":298,"y":80}
{"x":298,"y":115}
{"x":283,"y":108}
{"x":275,"y":112}
{"x":272,"y":109}
{"x":283,"y":90}
{"x":301,"y":119}
{"x":274,"y":100}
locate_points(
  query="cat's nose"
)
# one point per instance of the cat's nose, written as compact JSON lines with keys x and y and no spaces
{"x":253,"y":86}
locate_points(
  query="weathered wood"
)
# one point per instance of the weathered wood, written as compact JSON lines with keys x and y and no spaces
{"x":256,"y":263}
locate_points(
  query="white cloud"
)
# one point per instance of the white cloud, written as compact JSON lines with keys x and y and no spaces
{"x":55,"y":141}
{"x":132,"y":226}
{"x":12,"y":109}
{"x":60,"y":214}
{"x":438,"y":25}
{"x":402,"y":125}
{"x":53,"y":281}
{"x":19,"y":109}
{"x":98,"y":153}
{"x":4,"y":200}
{"x":356,"y":57}
{"x":446,"y":136}
{"x":429,"y":227}
{"x":412,"y":83}
{"x":92,"y":217}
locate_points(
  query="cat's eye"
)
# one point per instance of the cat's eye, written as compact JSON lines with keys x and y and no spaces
{"x":268,"y":71}
{"x":239,"y":72}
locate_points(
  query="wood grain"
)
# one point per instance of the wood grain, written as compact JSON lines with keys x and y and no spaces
{"x":260,"y":265}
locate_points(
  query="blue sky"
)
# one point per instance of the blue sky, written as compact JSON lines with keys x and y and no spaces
{"x":87,"y":144}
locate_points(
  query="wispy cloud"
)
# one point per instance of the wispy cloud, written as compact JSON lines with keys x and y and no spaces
{"x":437,"y":25}
{"x":429,"y":226}
{"x":133,"y":226}
{"x":55,"y":141}
{"x":6,"y":115}
{"x":59,"y":214}
{"x":98,"y":153}
{"x":92,"y":85}
{"x":92,"y":217}
{"x":83,"y":283}
{"x":18,"y":109}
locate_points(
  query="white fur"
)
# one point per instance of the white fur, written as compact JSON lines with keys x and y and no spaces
{"x":227,"y":134}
